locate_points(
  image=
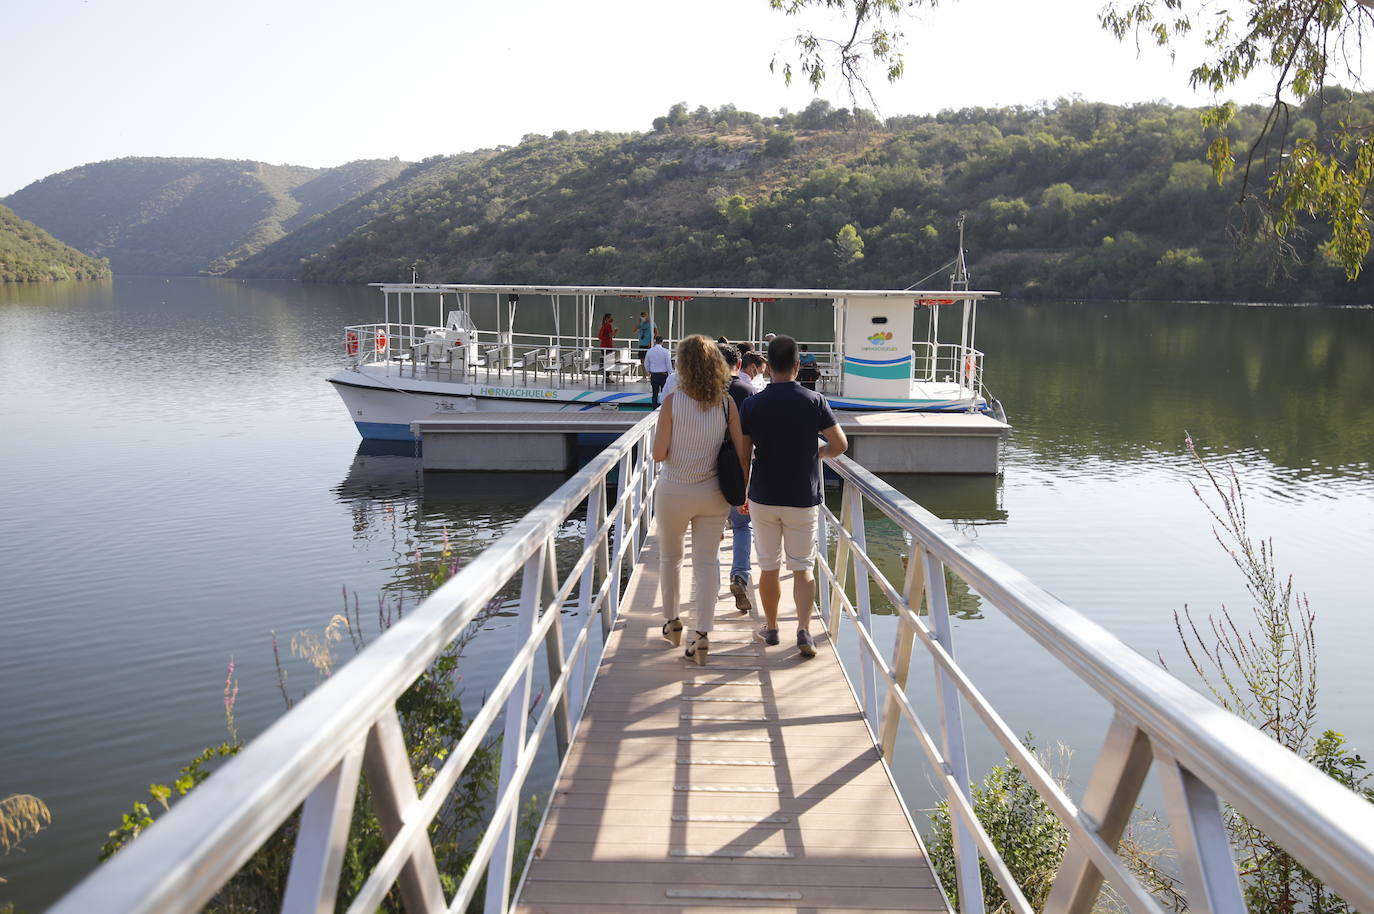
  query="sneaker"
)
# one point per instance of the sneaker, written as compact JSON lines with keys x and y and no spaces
{"x":767,"y":635}
{"x":672,"y":631}
{"x":739,"y":588}
{"x":806,"y":645}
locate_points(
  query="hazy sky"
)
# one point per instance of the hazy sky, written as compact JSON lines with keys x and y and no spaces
{"x":314,"y":83}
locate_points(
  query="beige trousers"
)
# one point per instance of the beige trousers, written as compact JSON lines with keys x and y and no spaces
{"x":705,"y":510}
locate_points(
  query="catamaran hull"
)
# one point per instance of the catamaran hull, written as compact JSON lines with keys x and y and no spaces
{"x":383,"y":408}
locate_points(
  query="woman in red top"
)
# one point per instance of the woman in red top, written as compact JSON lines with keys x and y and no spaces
{"x":606,"y":335}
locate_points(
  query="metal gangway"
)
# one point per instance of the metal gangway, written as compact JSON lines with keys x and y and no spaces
{"x":585,"y":625}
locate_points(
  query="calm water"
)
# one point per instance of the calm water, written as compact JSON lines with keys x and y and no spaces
{"x":181,"y":483}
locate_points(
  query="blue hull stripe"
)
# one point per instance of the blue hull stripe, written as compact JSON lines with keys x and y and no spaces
{"x":384,"y":431}
{"x":850,"y":358}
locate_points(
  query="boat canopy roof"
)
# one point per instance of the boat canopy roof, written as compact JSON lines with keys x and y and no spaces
{"x":944,"y":296}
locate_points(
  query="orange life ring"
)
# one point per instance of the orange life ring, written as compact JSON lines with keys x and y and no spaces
{"x":351,"y":342}
{"x":969,"y":366}
{"x":381,"y":341}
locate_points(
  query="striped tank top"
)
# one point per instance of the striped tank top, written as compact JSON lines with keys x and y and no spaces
{"x":697,"y":434}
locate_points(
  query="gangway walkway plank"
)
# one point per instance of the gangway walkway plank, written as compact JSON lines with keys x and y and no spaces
{"x":750,"y":783}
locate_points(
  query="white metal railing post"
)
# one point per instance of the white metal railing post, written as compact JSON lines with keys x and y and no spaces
{"x":513,"y":739}
{"x":1204,"y":850}
{"x":636,"y":499}
{"x":1109,"y":800}
{"x":823,"y":560}
{"x":322,"y":838}
{"x":394,"y":799}
{"x":581,"y":682}
{"x":953,"y":748}
{"x":840,"y":570}
{"x":913,"y":591}
{"x":622,"y":524}
{"x":868,"y":685}
{"x":554,"y":650}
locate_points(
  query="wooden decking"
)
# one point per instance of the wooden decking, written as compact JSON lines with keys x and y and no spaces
{"x":748,"y":784}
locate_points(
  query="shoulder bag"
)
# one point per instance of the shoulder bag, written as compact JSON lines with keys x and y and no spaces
{"x":729,"y":473}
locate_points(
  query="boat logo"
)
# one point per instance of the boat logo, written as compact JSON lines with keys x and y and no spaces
{"x":881,"y":337}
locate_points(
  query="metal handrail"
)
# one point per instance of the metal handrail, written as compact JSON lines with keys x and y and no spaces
{"x":315,"y":753}
{"x":1202,"y":753}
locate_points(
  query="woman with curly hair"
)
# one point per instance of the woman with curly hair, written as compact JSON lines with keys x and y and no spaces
{"x":691,"y":427}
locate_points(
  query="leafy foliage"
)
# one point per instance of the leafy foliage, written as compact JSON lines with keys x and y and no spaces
{"x":1305,"y":44}
{"x":29,"y":254}
{"x":432,"y":721}
{"x":1022,"y":827}
{"x":1076,"y":199}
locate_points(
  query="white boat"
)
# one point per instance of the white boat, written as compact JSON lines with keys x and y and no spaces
{"x":888,"y":351}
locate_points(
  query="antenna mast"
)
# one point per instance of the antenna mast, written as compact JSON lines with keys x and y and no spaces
{"x":959,"y":280}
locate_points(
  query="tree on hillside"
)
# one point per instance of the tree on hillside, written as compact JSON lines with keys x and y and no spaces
{"x":1292,"y":172}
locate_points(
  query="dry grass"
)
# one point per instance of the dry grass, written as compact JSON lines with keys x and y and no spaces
{"x":21,"y":815}
{"x":318,"y":650}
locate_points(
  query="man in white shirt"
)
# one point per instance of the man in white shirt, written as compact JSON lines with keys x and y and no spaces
{"x":751,"y":369}
{"x":658,"y":363}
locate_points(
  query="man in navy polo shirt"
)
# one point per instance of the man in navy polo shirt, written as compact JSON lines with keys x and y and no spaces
{"x":780,"y":426}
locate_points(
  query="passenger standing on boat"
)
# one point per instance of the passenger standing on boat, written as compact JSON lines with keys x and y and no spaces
{"x":658,"y":363}
{"x":751,"y":367}
{"x":606,"y":334}
{"x":687,"y":442}
{"x":646,"y":334}
{"x":780,"y":427}
{"x":741,"y":535}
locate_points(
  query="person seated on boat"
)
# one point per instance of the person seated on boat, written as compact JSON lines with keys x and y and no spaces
{"x":646,"y":334}
{"x":751,"y":368}
{"x":659,"y":365}
{"x":808,"y":373}
{"x":606,"y":334}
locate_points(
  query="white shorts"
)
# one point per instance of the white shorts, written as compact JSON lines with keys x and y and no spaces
{"x":780,"y":529}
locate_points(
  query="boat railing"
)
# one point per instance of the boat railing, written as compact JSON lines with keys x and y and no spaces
{"x":948,"y":363}
{"x":314,"y":757}
{"x":1202,"y":756}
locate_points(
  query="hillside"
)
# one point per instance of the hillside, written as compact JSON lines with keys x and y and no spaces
{"x":188,"y":216}
{"x":1073,"y":200}
{"x":29,"y":254}
{"x":1077,"y":200}
{"x":283,"y":258}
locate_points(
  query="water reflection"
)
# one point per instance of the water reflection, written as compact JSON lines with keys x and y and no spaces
{"x":1122,"y":380}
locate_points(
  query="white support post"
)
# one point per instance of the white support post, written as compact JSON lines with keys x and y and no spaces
{"x":617,"y":567}
{"x":313,"y":883}
{"x":1120,"y":772}
{"x":513,"y":740}
{"x":554,"y":651}
{"x":1204,"y":849}
{"x":952,"y":739}
{"x":868,"y":686}
{"x":583,"y":672}
{"x":913,"y":590}
{"x":822,"y":555}
{"x":841,"y":566}
{"x":394,"y":799}
{"x":636,"y":499}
